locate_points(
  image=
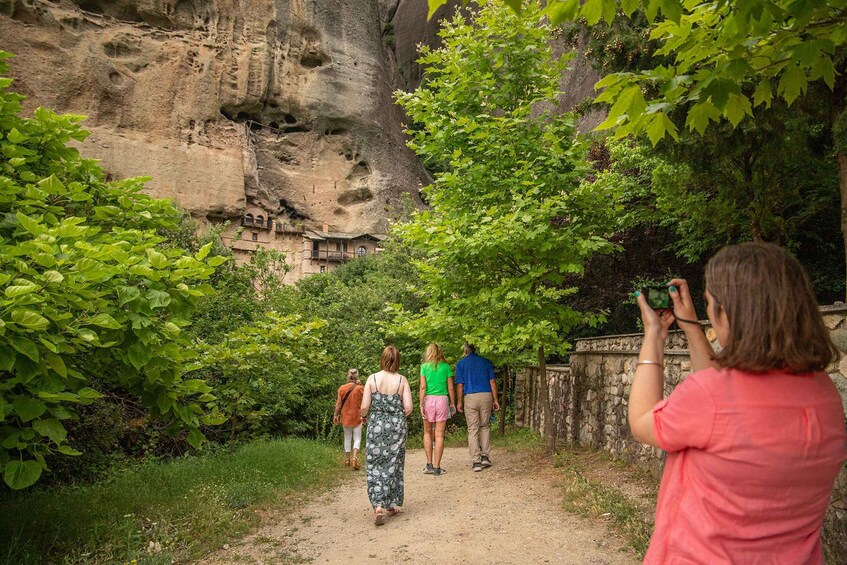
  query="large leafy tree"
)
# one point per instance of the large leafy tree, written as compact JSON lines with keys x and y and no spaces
{"x":510,"y":225}
{"x":91,"y":298}
{"x":725,"y":58}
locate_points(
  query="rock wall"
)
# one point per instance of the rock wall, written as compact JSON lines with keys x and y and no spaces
{"x":283,"y":104}
{"x":589,"y":401}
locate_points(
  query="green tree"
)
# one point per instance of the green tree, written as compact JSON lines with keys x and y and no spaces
{"x":90,"y":296}
{"x":725,"y":58}
{"x":510,"y":224}
{"x":263,"y":374}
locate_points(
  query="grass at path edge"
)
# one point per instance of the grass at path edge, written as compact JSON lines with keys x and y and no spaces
{"x":597,"y":499}
{"x":157,"y":512}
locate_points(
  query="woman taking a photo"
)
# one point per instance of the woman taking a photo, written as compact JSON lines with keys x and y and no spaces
{"x":436,"y":387}
{"x":388,"y":399}
{"x":348,"y":407}
{"x":755,"y":437}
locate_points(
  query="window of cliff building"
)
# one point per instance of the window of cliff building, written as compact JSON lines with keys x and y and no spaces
{"x":362,"y":251}
{"x":248,"y":220}
{"x":254,"y":236}
{"x":260,"y":221}
{"x":323,"y":269}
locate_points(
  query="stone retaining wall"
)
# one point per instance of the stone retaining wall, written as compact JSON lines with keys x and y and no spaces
{"x":590,"y":403}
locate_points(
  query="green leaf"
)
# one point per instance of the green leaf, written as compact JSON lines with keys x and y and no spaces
{"x":44,"y":259}
{"x":157,"y":298}
{"x":719,"y":90}
{"x":658,"y":126}
{"x":736,"y":108}
{"x":823,"y":68}
{"x":127,"y":294}
{"x":433,"y":6}
{"x":89,"y":393}
{"x":593,"y":10}
{"x":104,"y":321}
{"x":28,"y":408}
{"x":629,"y":6}
{"x":25,"y":346}
{"x":204,"y":251}
{"x":52,"y":185}
{"x":563,"y":11}
{"x":792,"y":83}
{"x":196,"y":438}
{"x":21,"y":287}
{"x":29,"y":224}
{"x":158,"y":260}
{"x":139,"y":355}
{"x":56,"y":363}
{"x":30,"y":320}
{"x":699,"y":116}
{"x":15,"y":136}
{"x":53,"y":277}
{"x":68,"y":450}
{"x":22,"y":474}
{"x":672,"y":9}
{"x":763,"y":94}
{"x":52,"y":429}
{"x":514,"y":5}
{"x":7,"y":360}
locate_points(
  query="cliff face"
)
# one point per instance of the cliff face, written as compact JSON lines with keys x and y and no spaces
{"x":283,"y":104}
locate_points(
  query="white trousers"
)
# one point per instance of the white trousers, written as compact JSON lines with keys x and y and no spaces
{"x":352,"y":435}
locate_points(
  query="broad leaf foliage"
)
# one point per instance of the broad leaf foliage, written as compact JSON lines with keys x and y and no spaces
{"x":90,"y":297}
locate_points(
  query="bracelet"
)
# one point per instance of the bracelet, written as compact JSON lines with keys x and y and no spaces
{"x":649,"y":363}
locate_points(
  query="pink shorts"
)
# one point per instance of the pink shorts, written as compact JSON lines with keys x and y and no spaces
{"x":436,"y":409}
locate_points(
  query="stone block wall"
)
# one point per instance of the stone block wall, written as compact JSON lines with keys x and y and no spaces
{"x":589,"y":402}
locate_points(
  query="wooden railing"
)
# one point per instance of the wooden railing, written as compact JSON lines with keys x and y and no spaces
{"x":336,"y":256}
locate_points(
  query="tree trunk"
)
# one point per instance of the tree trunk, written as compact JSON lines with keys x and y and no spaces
{"x":841,"y":156}
{"x":549,"y":424}
{"x":504,"y":397}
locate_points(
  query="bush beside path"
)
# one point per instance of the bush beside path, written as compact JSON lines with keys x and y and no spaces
{"x":510,"y":513}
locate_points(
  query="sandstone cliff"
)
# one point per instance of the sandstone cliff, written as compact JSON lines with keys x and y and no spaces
{"x":284,"y":104}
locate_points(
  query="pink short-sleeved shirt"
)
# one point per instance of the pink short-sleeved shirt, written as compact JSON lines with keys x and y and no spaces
{"x":752,"y":458}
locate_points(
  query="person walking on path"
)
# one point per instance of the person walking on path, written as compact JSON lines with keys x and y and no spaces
{"x":348,"y":407}
{"x":477,"y":392}
{"x":755,"y":436}
{"x":388,"y":400}
{"x":436,"y":387}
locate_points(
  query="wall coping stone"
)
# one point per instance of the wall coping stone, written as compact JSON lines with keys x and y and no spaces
{"x":838,"y":307}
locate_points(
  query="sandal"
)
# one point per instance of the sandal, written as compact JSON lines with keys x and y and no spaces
{"x":379,"y":517}
{"x":347,"y":462}
{"x":355,"y":464}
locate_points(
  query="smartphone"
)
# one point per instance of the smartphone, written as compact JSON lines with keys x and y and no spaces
{"x":658,"y":297}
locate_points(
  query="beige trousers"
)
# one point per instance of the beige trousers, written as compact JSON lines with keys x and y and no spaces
{"x":478,"y":415}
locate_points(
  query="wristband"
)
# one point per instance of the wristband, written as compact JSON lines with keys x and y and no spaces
{"x":647,"y":362}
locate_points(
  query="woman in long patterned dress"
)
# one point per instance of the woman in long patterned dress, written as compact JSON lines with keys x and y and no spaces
{"x":388,"y":398}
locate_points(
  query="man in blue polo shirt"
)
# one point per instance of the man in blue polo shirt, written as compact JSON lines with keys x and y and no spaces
{"x":477,"y":394}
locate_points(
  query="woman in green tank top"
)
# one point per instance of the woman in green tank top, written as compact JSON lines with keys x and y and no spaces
{"x":436,"y":388}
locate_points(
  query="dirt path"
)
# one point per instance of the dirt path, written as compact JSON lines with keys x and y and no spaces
{"x":517,"y":520}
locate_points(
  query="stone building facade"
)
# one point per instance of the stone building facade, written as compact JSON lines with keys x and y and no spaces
{"x":307,"y":251}
{"x":589,"y":403}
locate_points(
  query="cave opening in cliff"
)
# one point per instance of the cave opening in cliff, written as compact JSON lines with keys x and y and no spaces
{"x":291,"y":211}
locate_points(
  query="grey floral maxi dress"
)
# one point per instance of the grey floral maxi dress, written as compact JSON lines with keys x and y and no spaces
{"x":386,"y":450}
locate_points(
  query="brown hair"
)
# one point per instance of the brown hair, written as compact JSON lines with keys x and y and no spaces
{"x":774,"y":319}
{"x":434,"y":355}
{"x":390,"y":359}
{"x":353,"y":375}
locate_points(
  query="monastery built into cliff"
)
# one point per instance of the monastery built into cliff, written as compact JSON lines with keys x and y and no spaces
{"x":307,"y":251}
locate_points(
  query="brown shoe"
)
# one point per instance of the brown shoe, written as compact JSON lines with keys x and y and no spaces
{"x":355,"y":464}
